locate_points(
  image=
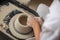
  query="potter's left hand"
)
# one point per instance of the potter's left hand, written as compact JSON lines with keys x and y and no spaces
{"x":39,"y":20}
{"x":32,"y":21}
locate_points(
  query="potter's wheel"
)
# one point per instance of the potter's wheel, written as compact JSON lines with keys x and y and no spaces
{"x":5,"y":14}
{"x":6,"y":9}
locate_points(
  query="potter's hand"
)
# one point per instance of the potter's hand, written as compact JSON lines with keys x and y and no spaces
{"x":39,"y":20}
{"x":32,"y":21}
{"x":35,"y":25}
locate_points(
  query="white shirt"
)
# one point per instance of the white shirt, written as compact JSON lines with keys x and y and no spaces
{"x":51,"y":25}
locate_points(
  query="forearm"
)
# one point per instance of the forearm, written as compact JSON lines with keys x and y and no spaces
{"x":36,"y":27}
{"x":37,"y":32}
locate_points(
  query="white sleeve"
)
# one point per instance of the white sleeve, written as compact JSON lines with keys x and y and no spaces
{"x":42,"y":10}
{"x":51,"y":28}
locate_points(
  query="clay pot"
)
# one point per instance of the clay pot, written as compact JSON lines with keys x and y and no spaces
{"x":21,"y":24}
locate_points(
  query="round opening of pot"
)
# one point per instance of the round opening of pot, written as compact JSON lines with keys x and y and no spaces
{"x":23,"y":19}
